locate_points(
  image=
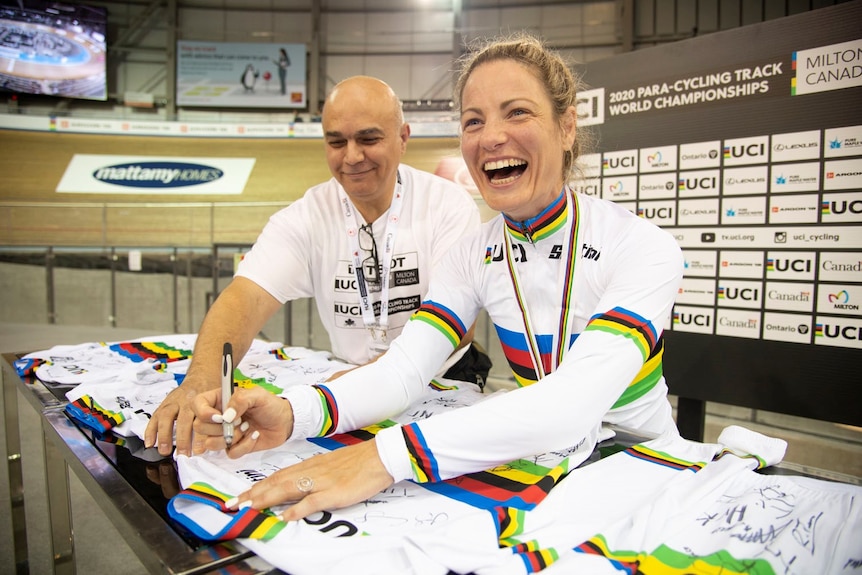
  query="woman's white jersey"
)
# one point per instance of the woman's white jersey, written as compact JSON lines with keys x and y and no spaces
{"x":615,"y":275}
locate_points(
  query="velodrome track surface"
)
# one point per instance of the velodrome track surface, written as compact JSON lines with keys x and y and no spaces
{"x":33,"y":213}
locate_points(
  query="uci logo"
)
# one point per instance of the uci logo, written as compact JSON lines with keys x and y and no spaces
{"x":587,"y":189}
{"x":590,"y":107}
{"x":835,"y":331}
{"x":749,"y":151}
{"x":656,"y":213}
{"x":699,"y":319}
{"x":327,"y":524}
{"x":697,"y":183}
{"x":747,"y":294}
{"x":843,"y":207}
{"x":787,"y":265}
{"x":623,"y":162}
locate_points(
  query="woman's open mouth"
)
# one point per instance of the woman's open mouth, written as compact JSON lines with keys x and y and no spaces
{"x":504,"y":171}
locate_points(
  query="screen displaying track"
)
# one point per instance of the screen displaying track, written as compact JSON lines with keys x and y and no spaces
{"x":53,"y":49}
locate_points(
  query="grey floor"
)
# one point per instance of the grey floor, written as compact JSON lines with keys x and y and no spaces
{"x":98,"y":546}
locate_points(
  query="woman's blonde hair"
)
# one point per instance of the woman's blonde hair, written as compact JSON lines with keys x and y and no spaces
{"x":550,"y":68}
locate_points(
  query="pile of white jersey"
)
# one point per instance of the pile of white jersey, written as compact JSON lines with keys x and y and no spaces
{"x":116,"y":386}
{"x":665,"y":506}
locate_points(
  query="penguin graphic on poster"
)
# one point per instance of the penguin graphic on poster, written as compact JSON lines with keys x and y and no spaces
{"x":248,"y":78}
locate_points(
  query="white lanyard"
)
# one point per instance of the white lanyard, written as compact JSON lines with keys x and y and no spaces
{"x":376,"y":326}
{"x":565,"y":284}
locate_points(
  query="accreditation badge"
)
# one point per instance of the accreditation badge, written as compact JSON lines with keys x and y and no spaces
{"x":379,"y":340}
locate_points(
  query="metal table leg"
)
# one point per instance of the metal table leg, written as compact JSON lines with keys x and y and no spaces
{"x":9,"y":401}
{"x":59,"y":506}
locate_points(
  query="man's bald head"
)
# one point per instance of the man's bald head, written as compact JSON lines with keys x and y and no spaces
{"x":365,"y":136}
{"x":364,"y":91}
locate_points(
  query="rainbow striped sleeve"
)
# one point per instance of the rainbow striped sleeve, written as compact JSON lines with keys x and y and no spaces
{"x":666,"y":560}
{"x":510,"y":523}
{"x":242,"y":380}
{"x":535,"y":558}
{"x":330,"y":411}
{"x":243,"y":523}
{"x":442,"y":318}
{"x":619,"y":321}
{"x":139,"y":351}
{"x":761,"y":462}
{"x":644,"y":453}
{"x":88,"y":412}
{"x":424,"y":463}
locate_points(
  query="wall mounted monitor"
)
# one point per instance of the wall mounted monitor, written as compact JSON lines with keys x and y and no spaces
{"x":53,"y":48}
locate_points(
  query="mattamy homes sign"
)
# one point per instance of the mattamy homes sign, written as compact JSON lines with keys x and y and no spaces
{"x":88,"y":173}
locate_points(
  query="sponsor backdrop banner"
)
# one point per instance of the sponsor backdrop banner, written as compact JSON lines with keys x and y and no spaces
{"x":96,"y":174}
{"x":747,"y":146}
{"x":241,"y":75}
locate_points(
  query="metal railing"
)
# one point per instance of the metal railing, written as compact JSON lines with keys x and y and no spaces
{"x":165,"y":288}
{"x":111,"y":286}
{"x":144,"y":224}
{"x":156,"y":288}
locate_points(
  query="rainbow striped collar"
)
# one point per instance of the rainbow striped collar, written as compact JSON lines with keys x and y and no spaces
{"x":539,"y":227}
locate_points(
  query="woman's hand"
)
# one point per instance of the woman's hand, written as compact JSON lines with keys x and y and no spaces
{"x":331,"y":480}
{"x":261,"y":421}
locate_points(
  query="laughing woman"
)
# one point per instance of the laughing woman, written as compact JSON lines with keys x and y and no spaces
{"x":578,"y":289}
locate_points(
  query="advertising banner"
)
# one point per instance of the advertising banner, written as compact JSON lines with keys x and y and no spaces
{"x":97,"y":174}
{"x":241,"y":75}
{"x":748,"y":140}
{"x":746,"y":145}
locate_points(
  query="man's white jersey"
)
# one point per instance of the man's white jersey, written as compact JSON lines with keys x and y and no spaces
{"x":304,"y":251}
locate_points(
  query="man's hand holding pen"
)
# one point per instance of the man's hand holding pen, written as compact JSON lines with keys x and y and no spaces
{"x":227,"y":392}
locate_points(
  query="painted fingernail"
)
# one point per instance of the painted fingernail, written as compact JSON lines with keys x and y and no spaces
{"x":229,"y":415}
{"x":231,"y":503}
{"x":217,"y":418}
{"x":244,"y":426}
{"x":255,"y":434}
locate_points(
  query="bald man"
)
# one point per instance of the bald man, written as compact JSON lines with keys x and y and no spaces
{"x":376,"y":227}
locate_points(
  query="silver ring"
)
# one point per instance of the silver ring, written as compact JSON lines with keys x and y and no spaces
{"x":304,"y":484}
